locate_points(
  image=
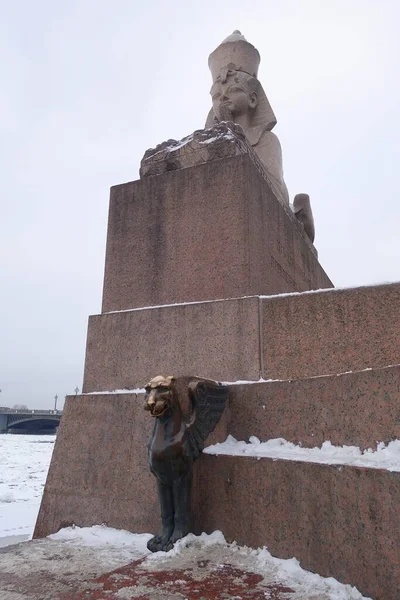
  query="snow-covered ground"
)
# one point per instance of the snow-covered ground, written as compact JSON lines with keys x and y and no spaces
{"x":213,"y":547}
{"x":24,"y":462}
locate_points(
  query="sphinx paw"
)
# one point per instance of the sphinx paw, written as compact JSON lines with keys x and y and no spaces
{"x":155,"y":543}
{"x":152,"y":544}
{"x":178,"y":534}
{"x":167,"y":546}
{"x":160,"y":543}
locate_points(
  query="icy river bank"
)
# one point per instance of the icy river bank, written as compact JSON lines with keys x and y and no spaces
{"x":24,"y":462}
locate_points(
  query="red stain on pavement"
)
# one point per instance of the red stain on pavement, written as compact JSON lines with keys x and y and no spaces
{"x":224,"y":578}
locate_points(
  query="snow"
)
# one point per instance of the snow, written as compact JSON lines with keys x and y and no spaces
{"x":143,"y":391}
{"x":290,"y":572}
{"x":121,"y":391}
{"x":261,"y":380}
{"x":326,"y":290}
{"x":203,"y":540}
{"x":287,"y":572}
{"x":24,"y":462}
{"x":240,"y":382}
{"x":100,"y":536}
{"x":219,"y":136}
{"x":112,"y":312}
{"x":383,"y":457}
{"x":261,"y":297}
{"x":174,"y":145}
{"x":250,"y":381}
{"x":177,"y":144}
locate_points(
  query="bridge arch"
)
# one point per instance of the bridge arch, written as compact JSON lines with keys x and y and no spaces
{"x":39,"y":424}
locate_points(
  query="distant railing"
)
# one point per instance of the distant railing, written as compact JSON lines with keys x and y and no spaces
{"x":5,"y":410}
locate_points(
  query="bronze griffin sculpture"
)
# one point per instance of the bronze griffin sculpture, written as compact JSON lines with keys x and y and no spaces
{"x":175,"y":444}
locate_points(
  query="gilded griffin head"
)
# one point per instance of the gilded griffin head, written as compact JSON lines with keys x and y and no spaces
{"x":160,"y":394}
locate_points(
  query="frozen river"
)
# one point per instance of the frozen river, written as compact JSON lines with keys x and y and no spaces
{"x":24,"y":462}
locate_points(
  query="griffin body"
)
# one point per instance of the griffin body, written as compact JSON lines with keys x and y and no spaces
{"x":175,"y":444}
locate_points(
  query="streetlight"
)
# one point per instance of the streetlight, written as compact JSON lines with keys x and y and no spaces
{"x":55,"y":402}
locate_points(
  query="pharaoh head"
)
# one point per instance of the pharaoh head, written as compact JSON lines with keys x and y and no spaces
{"x":236,"y":93}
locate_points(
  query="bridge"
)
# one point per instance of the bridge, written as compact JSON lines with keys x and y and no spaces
{"x":29,"y":421}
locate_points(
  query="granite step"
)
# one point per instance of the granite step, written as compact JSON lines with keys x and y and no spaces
{"x":329,"y":332}
{"x":288,"y":336}
{"x":354,"y":409}
{"x":336,"y":520}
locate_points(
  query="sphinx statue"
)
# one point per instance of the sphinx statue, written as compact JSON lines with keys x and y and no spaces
{"x":238,"y":96}
{"x":240,"y":106}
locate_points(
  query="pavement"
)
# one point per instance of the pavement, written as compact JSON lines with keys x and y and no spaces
{"x":64,"y":569}
{"x":201,"y":580}
{"x":12,"y":539}
{"x":51,"y":570}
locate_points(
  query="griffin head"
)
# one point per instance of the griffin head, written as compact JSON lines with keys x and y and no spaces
{"x":160,"y":394}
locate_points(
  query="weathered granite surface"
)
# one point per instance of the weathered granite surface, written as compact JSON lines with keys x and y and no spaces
{"x":124,"y":349}
{"x":99,"y":471}
{"x":337,"y":520}
{"x":331,"y":332}
{"x":214,"y":230}
{"x":220,"y":141}
{"x":354,"y":409}
{"x":280,"y":337}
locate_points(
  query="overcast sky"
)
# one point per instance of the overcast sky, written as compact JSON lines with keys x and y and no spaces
{"x":87,"y":86}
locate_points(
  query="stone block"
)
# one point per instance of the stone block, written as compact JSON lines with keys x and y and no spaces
{"x":338,"y":521}
{"x":214,"y":230}
{"x":329,"y":332}
{"x":204,"y":145}
{"x":324,"y":515}
{"x":215,"y":340}
{"x":355,"y":409}
{"x":100,"y":455}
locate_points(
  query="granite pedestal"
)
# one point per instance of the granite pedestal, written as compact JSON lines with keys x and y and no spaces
{"x":211,"y":231}
{"x":281,"y":337}
{"x":194,"y":258}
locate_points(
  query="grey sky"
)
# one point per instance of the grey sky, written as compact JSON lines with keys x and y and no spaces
{"x":87,"y":86}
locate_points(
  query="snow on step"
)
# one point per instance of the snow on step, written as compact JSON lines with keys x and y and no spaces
{"x":383,"y":457}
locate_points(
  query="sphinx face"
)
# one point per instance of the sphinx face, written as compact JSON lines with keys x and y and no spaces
{"x":232,"y":96}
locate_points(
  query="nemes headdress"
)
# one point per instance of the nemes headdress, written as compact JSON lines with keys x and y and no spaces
{"x":235,"y":53}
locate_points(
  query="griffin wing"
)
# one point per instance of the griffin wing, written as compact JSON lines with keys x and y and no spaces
{"x":208,"y":400}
